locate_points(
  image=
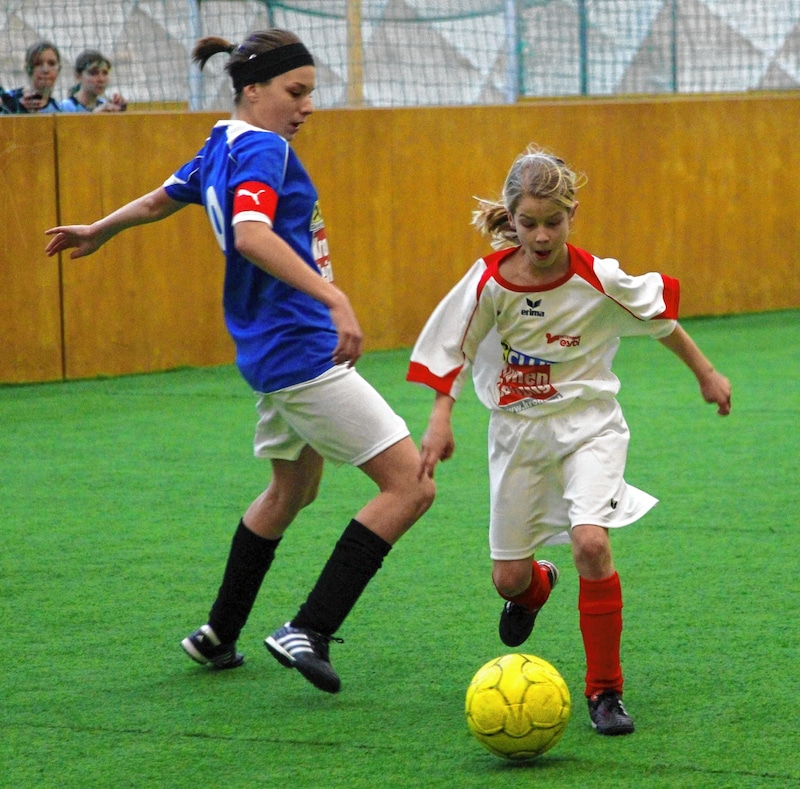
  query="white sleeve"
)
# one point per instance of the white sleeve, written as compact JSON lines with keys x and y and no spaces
{"x":647,"y":296}
{"x":449,"y":341}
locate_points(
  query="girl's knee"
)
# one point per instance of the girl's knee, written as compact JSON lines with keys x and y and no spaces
{"x":290,"y":499}
{"x":591,"y":550}
{"x":309,"y":495}
{"x":403,"y":481}
{"x":511,"y":578}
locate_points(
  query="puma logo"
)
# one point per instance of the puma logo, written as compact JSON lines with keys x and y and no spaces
{"x":253,"y":195}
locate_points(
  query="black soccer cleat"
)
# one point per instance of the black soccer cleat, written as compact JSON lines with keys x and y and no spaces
{"x":516,"y":621}
{"x":608,"y":714}
{"x":204,"y":647}
{"x":307,"y":651}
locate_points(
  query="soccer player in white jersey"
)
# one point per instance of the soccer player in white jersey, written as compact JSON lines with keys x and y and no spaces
{"x":297,"y":339}
{"x":539,"y":322}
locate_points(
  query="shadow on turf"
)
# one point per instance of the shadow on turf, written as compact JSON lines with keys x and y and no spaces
{"x":480,"y":762}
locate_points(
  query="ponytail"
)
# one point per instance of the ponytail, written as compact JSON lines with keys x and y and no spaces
{"x":209,"y":46}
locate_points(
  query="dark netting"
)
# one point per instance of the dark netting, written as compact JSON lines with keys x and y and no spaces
{"x":393,"y":53}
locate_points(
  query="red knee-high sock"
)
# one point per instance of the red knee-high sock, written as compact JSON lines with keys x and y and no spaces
{"x":600,"y":608}
{"x":535,"y":596}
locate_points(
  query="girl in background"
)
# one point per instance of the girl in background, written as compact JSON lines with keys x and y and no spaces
{"x":297,"y":339}
{"x":539,"y":321}
{"x":43,"y":65}
{"x":92,"y":71}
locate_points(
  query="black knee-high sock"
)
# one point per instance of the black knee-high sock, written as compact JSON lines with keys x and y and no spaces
{"x":355,"y":559}
{"x":248,"y":561}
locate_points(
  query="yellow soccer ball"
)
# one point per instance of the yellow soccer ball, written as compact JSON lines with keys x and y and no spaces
{"x":518,"y":706}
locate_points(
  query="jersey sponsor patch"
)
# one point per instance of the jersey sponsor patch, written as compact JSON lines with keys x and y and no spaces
{"x":319,"y":244}
{"x":565,"y":340}
{"x":515,"y":357}
{"x":255,"y":197}
{"x":518,"y":384}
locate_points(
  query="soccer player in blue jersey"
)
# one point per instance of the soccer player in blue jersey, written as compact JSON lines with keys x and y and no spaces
{"x":297,"y":339}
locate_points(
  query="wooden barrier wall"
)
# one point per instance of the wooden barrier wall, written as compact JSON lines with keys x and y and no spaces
{"x":149,"y":299}
{"x":30,"y":289}
{"x":702,"y":188}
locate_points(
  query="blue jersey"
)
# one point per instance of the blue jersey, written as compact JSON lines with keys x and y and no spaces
{"x":283,"y":336}
{"x":71,"y":104}
{"x":11,"y":103}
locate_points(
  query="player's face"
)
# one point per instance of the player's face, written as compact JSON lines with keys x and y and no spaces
{"x":95,"y":79}
{"x":283,"y":104}
{"x":542,"y":227}
{"x":45,"y":70}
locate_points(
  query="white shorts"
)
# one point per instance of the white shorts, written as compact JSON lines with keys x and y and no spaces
{"x":550,"y":473}
{"x":338,"y":414}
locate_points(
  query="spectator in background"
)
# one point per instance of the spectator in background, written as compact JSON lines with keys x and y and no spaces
{"x":92,"y":72}
{"x":43,"y":64}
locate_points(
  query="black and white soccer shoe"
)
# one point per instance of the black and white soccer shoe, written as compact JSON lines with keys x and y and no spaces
{"x":204,"y":647}
{"x":307,"y":651}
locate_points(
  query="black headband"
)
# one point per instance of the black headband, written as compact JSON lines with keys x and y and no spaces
{"x":269,"y":64}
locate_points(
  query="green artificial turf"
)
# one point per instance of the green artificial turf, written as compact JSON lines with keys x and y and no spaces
{"x":119,"y":500}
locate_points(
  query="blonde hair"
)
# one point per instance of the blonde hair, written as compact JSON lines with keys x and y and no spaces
{"x":534,"y":173}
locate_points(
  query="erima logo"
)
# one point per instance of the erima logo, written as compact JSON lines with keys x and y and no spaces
{"x":613,"y":503}
{"x":532,"y":311}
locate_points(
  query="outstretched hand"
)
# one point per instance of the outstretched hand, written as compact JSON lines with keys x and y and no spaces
{"x":83,"y":239}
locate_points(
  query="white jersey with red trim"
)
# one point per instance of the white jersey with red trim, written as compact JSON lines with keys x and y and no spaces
{"x":535,"y":349}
